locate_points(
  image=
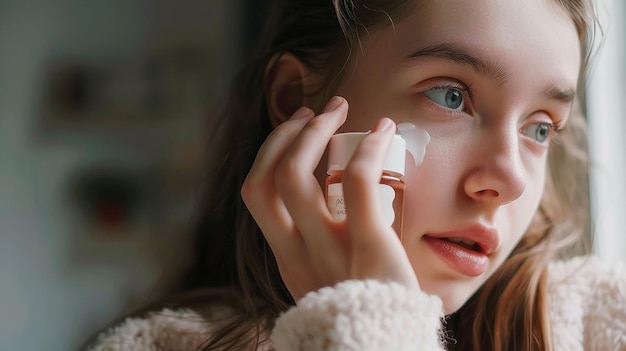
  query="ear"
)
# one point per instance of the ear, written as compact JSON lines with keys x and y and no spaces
{"x":288,"y":80}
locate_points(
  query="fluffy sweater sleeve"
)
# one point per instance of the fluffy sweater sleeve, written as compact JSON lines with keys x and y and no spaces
{"x":587,"y":299}
{"x":353,"y":315}
{"x":180,"y":329}
{"x":361,"y":315}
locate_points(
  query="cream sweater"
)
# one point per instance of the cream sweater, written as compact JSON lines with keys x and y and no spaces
{"x":587,"y":302}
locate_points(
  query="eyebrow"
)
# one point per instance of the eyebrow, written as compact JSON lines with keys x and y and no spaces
{"x":457,"y":54}
{"x":449,"y":51}
{"x":555,"y":93}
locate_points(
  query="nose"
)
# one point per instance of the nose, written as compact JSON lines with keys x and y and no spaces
{"x":498,"y":176}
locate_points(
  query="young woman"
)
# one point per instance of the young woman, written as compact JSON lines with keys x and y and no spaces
{"x":487,"y":214}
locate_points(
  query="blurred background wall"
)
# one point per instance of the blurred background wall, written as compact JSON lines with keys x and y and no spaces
{"x":607,"y":126}
{"x":102,"y":110}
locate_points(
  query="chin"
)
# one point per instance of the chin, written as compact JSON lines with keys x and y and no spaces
{"x":452,"y":305}
{"x":453,"y":295}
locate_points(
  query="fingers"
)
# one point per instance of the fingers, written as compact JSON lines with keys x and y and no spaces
{"x":361,"y":178}
{"x":312,"y":250}
{"x":289,"y":156}
{"x":259,"y":189}
{"x":295,"y":180}
{"x":375,"y":249}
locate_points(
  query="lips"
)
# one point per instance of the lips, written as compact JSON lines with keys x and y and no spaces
{"x":467,"y":243}
{"x":465,"y":249}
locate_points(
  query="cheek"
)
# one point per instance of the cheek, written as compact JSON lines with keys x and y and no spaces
{"x":432,"y":188}
{"x":370,"y":99}
{"x":514,"y":219}
{"x":362,"y":115}
{"x":435,"y":191}
{"x":526,"y":206}
{"x":521,"y":212}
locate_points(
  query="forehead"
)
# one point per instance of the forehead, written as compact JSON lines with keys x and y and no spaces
{"x":514,"y":35}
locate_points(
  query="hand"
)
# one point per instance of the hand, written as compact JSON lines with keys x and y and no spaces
{"x":311,"y":248}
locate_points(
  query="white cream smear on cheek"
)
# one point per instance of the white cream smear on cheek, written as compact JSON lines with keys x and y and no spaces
{"x":416,"y":140}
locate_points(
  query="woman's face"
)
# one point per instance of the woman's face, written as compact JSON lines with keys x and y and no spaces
{"x":487,"y":80}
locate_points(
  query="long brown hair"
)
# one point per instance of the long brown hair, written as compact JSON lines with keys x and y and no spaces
{"x":231,"y":251}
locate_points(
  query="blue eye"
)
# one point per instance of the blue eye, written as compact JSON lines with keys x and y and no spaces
{"x":447,"y":97}
{"x":539,"y":131}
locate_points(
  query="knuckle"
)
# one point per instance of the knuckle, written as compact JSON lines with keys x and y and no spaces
{"x":279,"y":130}
{"x":249,"y":191}
{"x":360,"y":170}
{"x":357,"y":173}
{"x":375,"y":143}
{"x":246,"y":191}
{"x":317,"y":124}
{"x":288,"y":172}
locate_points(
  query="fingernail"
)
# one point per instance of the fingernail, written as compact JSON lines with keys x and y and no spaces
{"x":302,"y":112}
{"x":334,"y":103}
{"x":383,"y":125}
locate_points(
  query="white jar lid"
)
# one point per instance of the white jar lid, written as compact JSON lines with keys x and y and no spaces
{"x":342,"y":146}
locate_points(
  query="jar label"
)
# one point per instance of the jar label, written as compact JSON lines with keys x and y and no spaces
{"x":335,"y":201}
{"x":337,"y":207}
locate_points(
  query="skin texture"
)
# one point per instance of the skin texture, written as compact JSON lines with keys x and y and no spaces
{"x":515,"y":66}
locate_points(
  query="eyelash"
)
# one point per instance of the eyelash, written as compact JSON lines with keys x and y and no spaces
{"x":556,"y":127}
{"x":465,"y":89}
